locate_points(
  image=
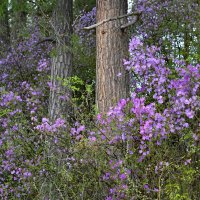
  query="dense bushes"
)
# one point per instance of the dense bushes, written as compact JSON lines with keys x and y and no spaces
{"x":145,"y":147}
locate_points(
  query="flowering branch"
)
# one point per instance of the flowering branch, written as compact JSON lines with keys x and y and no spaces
{"x":111,"y":19}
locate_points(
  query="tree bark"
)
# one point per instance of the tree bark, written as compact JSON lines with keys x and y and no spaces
{"x":112,"y":47}
{"x":62,"y":62}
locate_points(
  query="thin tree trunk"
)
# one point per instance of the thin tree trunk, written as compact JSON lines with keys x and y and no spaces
{"x":62,"y":62}
{"x":112,"y":47}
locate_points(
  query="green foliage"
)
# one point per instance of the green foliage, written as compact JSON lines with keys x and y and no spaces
{"x":86,"y":5}
{"x":82,"y":97}
{"x":84,"y":60}
{"x":79,"y":178}
{"x":73,"y":83}
{"x":18,"y":5}
{"x":3,"y":7}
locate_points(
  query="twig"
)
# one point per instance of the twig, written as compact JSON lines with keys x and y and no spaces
{"x":46,"y":40}
{"x":111,"y":19}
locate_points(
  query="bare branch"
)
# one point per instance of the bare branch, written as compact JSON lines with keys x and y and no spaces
{"x":136,"y":18}
{"x":46,"y":40}
{"x":111,"y":19}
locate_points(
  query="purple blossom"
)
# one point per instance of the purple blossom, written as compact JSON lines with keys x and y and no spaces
{"x":189,"y":113}
{"x":123,"y":176}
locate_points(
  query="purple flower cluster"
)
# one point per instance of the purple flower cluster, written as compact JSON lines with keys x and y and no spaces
{"x":154,"y":13}
{"x":46,"y":126}
{"x":9,"y":98}
{"x":177,"y":98}
{"x":76,"y":132}
{"x":13,"y":175}
{"x":86,"y":19}
{"x":169,"y":24}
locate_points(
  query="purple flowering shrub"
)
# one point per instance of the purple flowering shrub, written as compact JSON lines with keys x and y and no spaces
{"x":145,"y":147}
{"x":153,"y":136}
{"x":173,"y":25}
{"x":25,"y":70}
{"x":15,"y":163}
{"x":25,"y":132}
{"x":23,"y":99}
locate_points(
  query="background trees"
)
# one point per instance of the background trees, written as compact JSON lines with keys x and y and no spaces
{"x":146,"y":146}
{"x":5,"y":30}
{"x":18,"y":14}
{"x":62,"y":62}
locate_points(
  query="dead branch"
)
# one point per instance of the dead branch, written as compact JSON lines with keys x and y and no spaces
{"x":111,"y":19}
{"x":136,"y":18}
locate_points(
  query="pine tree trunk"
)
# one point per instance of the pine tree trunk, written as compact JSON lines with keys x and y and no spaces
{"x":112,"y":47}
{"x":62,"y":62}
